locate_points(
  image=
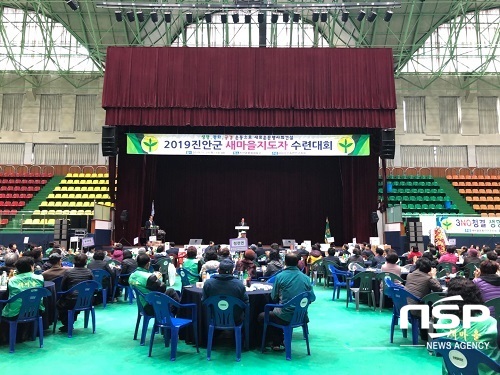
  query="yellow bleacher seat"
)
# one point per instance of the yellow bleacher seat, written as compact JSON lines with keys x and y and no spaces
{"x":106,"y":175}
{"x":44,"y":212}
{"x":51,"y":196}
{"x":58,"y":212}
{"x":88,"y":175}
{"x":51,"y":203}
{"x":99,"y":175}
{"x":81,"y":212}
{"x":37,"y":221}
{"x":88,"y":204}
{"x":51,"y":221}
{"x":93,"y":175}
{"x":104,"y":188}
{"x":28,"y":222}
{"x":71,"y":188}
{"x":69,"y":175}
{"x":81,"y":175}
{"x":79,"y":204}
{"x":57,"y":188}
{"x":73,"y":212}
{"x":85,"y":196}
{"x":37,"y":212}
{"x":89,"y":212}
{"x":56,"y":204}
{"x":66,"y":212}
{"x":72,"y":196}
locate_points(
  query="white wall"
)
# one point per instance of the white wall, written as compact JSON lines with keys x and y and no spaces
{"x":432,"y":137}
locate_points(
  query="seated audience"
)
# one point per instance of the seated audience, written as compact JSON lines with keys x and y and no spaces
{"x":192,"y":264}
{"x":211,"y":262}
{"x":479,"y":332}
{"x":247,"y":264}
{"x":10,"y":260}
{"x":378,"y":259}
{"x":414,"y":254}
{"x":72,"y":277}
{"x":274,"y":263}
{"x":390,"y":263}
{"x":25,"y":279}
{"x":314,"y":255}
{"x":356,"y":257}
{"x":147,"y":282}
{"x":287,"y":285}
{"x":450,"y":256}
{"x":487,"y":280}
{"x":332,"y":257}
{"x":98,"y":263}
{"x":423,"y":280}
{"x":117,"y":253}
{"x":129,"y":265}
{"x":225,"y":283}
{"x":56,"y":268}
{"x":224,"y":253}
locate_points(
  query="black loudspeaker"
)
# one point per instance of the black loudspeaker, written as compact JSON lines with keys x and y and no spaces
{"x":388,"y":144}
{"x":124,"y":216}
{"x":374,"y":217}
{"x":109,"y":146}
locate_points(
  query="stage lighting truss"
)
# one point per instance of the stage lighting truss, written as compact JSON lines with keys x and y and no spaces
{"x":194,"y":11}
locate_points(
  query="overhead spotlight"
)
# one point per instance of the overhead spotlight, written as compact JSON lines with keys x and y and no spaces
{"x":154,"y":16}
{"x":248,"y":18}
{"x":345,"y":16}
{"x":388,"y":16}
{"x":372,"y":16}
{"x":118,"y":15}
{"x":168,"y":17}
{"x":296,"y":17}
{"x":140,"y":16}
{"x":260,"y":17}
{"x":189,"y":17}
{"x":315,"y":17}
{"x":130,"y":16}
{"x":223,"y":18}
{"x":236,"y":17}
{"x":72,"y":4}
{"x":286,"y":17}
{"x":208,"y":17}
{"x":361,"y":15}
{"x":274,"y":17}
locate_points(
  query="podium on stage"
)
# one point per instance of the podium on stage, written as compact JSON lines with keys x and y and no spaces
{"x":241,"y":228}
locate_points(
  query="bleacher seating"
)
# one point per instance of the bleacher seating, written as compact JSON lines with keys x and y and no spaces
{"x":16,"y":189}
{"x":417,"y":194}
{"x":76,"y":195}
{"x":482,"y":192}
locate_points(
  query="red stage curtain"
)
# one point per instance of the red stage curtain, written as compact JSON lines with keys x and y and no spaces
{"x":323,"y":87}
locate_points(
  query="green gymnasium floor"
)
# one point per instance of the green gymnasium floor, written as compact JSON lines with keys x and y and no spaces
{"x":342,"y":340}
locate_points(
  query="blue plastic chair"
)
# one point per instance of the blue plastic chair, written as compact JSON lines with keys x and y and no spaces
{"x":84,"y":302}
{"x":141,"y":297}
{"x":339,"y":280}
{"x":221,"y":316}
{"x":299,"y":303}
{"x":128,"y":293}
{"x":67,"y":264}
{"x":391,"y":276}
{"x":164,"y":319}
{"x":271,"y":279}
{"x":468,"y":360}
{"x":29,"y":312}
{"x":99,"y":276}
{"x":399,"y":298}
{"x":184,"y":274}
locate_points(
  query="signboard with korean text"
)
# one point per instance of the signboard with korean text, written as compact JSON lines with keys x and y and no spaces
{"x":249,"y":144}
{"x":238,"y":244}
{"x":469,"y":224}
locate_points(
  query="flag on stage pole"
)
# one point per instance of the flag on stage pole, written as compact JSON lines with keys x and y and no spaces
{"x":328,"y":234}
{"x":153,"y":208}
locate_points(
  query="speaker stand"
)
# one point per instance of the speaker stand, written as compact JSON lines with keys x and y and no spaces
{"x":123,"y":240}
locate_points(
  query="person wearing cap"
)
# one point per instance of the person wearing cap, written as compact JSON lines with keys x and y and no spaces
{"x":224,"y":283}
{"x":56,"y":268}
{"x":247,"y":264}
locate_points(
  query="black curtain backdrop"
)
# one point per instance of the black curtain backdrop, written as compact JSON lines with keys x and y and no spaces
{"x":280,"y":197}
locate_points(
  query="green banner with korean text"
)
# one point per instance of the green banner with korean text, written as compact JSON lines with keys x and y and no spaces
{"x":248,"y":144}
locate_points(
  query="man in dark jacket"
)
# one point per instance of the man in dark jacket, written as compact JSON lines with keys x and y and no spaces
{"x":225,"y":284}
{"x":72,"y":277}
